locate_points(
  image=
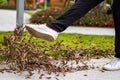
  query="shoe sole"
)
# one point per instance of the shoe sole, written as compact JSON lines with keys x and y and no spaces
{"x":110,"y":69}
{"x":37,"y":34}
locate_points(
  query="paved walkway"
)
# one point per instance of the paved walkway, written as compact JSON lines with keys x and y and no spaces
{"x":8,"y":23}
{"x":8,"y":20}
{"x":92,"y":74}
{"x":91,"y":30}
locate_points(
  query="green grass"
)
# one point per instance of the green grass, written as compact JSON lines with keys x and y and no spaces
{"x":76,"y":40}
{"x":2,"y":34}
{"x":87,"y":41}
{"x":72,"y":40}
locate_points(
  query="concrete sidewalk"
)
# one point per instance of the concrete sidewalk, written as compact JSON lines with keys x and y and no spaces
{"x":92,"y":74}
{"x":8,"y":19}
{"x":79,"y":75}
{"x":90,"y":30}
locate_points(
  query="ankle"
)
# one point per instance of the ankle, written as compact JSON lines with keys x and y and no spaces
{"x":52,"y":28}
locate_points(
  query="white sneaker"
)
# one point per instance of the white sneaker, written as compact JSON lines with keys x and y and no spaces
{"x":42,"y":31}
{"x":114,"y":64}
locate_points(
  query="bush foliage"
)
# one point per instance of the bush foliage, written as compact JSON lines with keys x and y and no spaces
{"x":3,"y":2}
{"x":45,"y":16}
{"x":95,"y":17}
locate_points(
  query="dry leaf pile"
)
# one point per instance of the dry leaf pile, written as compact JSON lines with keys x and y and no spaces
{"x":27,"y":56}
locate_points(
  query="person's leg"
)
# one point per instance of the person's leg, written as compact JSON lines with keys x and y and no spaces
{"x":114,"y":64}
{"x":78,"y":10}
{"x":116,"y":16}
{"x":51,"y":30}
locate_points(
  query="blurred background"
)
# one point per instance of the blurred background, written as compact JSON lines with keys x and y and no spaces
{"x":44,"y":11}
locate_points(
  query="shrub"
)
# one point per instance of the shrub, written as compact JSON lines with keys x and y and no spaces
{"x":4,"y":5}
{"x":95,"y":17}
{"x":3,"y":2}
{"x":109,"y":1}
{"x":7,"y":7}
{"x":45,"y":16}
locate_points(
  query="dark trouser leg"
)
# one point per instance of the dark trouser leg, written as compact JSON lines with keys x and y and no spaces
{"x":79,"y":9}
{"x":116,"y":16}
